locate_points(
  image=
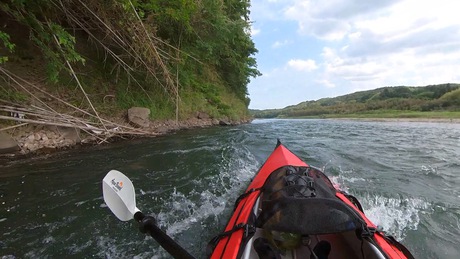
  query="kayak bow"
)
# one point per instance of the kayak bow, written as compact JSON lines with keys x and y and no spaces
{"x":289,"y":210}
{"x":292,"y":210}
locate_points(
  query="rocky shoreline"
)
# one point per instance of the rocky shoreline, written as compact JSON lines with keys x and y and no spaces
{"x":33,"y":139}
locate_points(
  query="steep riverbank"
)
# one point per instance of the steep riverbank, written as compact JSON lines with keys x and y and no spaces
{"x":52,"y":99}
{"x":41,"y":139}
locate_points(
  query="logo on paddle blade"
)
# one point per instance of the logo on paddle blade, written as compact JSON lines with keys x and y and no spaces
{"x":117,"y":186}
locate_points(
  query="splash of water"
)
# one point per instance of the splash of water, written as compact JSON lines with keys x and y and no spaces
{"x":396,"y":215}
{"x":238,"y":165}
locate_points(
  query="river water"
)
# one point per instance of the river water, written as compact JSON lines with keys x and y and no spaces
{"x":406,"y":175}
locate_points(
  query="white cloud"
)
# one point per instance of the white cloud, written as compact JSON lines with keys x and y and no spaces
{"x":329,"y":28}
{"x":303,"y":65}
{"x":394,"y":41}
{"x":279,"y":44}
{"x":254,"y":31}
{"x":333,"y":19}
{"x":362,"y":44}
{"x":263,"y":10}
{"x":351,"y":69}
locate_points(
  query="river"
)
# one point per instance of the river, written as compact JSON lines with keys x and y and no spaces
{"x":406,"y":175}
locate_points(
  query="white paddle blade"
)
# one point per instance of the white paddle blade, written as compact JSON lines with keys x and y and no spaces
{"x":119,"y":195}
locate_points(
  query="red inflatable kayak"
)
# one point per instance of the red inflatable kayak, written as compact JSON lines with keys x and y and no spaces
{"x":292,"y":210}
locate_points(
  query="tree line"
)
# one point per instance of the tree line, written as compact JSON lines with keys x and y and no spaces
{"x":445,"y":97}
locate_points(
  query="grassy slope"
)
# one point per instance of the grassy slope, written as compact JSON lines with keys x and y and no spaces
{"x":434,"y":101}
{"x":111,"y":94}
{"x":393,"y":114}
{"x":109,"y":90}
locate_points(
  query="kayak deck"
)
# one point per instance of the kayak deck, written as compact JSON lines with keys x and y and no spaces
{"x":342,"y":245}
{"x":293,"y":210}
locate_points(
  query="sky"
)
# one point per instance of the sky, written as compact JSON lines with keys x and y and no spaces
{"x":312,"y":49}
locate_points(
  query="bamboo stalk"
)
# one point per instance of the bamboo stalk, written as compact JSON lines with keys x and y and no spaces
{"x":44,"y":122}
{"x":10,"y":75}
{"x":73,"y":126}
{"x":120,"y":61}
{"x":70,"y":120}
{"x":131,"y":43}
{"x":15,"y":126}
{"x":78,"y":82}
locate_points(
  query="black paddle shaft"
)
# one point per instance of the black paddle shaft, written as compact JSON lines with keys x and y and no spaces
{"x":148,"y":224}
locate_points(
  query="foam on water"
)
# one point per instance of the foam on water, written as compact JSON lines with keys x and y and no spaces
{"x":109,"y":248}
{"x":429,"y":170}
{"x":238,"y":165}
{"x":345,"y":178}
{"x":76,"y":249}
{"x":191,"y":150}
{"x":396,"y":215}
{"x":184,"y":212}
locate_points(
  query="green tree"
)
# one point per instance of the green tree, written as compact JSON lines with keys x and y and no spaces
{"x":5,"y":38}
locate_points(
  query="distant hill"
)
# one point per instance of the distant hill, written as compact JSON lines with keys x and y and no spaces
{"x":443,"y":97}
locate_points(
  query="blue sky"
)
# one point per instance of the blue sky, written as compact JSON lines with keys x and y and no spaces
{"x":311,"y":49}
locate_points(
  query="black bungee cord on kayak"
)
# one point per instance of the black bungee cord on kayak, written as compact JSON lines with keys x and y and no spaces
{"x":244,"y":195}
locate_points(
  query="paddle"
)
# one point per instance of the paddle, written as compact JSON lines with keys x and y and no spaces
{"x":120,"y":197}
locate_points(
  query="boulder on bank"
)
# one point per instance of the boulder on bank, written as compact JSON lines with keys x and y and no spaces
{"x":71,"y":134}
{"x":139,"y":117}
{"x":224,"y":122}
{"x":7,"y":144}
{"x":202,"y":116}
